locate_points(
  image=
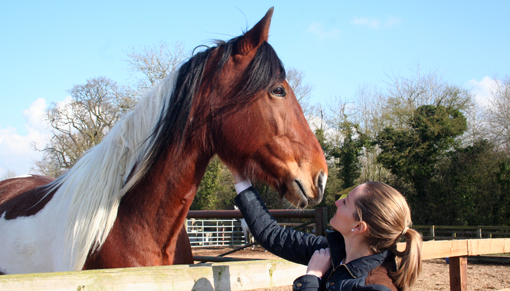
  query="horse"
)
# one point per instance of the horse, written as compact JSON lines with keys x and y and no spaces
{"x":125,"y":201}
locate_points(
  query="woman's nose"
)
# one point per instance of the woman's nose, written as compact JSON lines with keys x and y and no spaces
{"x":337,"y":203}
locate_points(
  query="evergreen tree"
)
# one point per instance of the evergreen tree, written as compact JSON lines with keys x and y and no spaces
{"x":349,"y":152}
{"x":413,"y":153}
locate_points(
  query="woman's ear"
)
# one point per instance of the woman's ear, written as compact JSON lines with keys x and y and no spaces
{"x":361,"y":227}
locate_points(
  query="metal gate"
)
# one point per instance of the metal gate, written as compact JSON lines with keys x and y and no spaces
{"x":215,"y":232}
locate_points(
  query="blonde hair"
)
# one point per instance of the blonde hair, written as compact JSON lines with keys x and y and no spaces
{"x":388,"y":217}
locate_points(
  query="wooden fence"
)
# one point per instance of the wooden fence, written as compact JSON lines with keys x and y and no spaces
{"x":203,"y":277}
{"x":458,"y":251}
{"x":244,"y":275}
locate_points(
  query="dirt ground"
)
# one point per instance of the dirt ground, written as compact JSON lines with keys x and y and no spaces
{"x":434,"y":276}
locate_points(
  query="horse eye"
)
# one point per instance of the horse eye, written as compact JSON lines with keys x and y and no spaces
{"x":279,"y":92}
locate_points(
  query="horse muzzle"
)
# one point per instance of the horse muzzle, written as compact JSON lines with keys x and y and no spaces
{"x":302,"y":194}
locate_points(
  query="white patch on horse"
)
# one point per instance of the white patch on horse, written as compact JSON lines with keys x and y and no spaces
{"x":83,"y":210}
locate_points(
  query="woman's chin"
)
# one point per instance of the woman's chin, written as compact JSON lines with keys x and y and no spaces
{"x":332,"y":223}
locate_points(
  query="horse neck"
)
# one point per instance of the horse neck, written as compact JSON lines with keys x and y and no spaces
{"x":163,"y":197}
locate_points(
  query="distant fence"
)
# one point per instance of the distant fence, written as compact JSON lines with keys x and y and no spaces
{"x":445,"y":232}
{"x":215,"y":232}
{"x":223,"y":227}
{"x":226,"y":232}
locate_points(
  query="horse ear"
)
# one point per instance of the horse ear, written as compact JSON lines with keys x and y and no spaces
{"x":255,"y":36}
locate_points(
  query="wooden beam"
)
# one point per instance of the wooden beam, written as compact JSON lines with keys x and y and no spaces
{"x":201,"y":277}
{"x":465,"y":247}
{"x":458,"y":273}
{"x":457,"y":252}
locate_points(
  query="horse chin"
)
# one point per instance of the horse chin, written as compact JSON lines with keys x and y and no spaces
{"x":299,"y":195}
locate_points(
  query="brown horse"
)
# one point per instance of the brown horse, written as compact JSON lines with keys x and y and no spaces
{"x":125,"y":202}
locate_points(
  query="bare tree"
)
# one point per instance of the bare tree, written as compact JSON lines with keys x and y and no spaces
{"x":405,"y":95}
{"x":81,"y":122}
{"x":92,"y":110}
{"x":477,"y":125}
{"x":155,"y":62}
{"x":301,"y":89}
{"x":366,"y":110}
{"x":8,"y":175}
{"x":498,"y":114}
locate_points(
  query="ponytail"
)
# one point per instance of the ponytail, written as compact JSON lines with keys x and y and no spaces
{"x":408,"y":261}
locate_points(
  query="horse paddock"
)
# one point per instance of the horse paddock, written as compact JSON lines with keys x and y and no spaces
{"x":434,"y":276}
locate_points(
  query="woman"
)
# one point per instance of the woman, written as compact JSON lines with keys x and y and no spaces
{"x":360,"y":255}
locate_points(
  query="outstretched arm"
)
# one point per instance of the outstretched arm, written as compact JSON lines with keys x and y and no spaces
{"x":287,"y":243}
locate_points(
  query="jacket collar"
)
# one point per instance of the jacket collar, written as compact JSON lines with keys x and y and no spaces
{"x":360,"y":266}
{"x":336,"y":246}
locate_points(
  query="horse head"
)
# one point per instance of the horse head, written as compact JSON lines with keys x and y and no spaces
{"x":257,"y":123}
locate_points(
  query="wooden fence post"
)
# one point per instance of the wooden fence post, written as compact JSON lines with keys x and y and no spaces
{"x":458,"y":273}
{"x":321,"y":220}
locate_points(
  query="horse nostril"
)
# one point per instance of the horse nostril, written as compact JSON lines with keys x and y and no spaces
{"x":321,"y":183}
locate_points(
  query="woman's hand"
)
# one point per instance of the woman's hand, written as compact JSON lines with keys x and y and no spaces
{"x":320,"y":263}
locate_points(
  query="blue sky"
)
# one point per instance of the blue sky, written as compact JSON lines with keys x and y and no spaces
{"x":50,"y":46}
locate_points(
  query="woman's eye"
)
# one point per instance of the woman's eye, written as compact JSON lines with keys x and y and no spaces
{"x":279,"y":92}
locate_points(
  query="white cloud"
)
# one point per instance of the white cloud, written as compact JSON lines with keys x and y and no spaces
{"x":321,"y":33}
{"x":16,"y":151}
{"x":371,"y":23}
{"x":482,"y":89}
{"x":34,"y":115}
{"x":376,"y":23}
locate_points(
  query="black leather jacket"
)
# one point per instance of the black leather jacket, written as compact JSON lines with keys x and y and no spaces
{"x":366,"y":273}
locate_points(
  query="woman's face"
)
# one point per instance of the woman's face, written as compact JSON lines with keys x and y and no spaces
{"x":344,"y":220}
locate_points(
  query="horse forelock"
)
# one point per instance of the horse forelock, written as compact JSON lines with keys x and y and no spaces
{"x":263,"y":72}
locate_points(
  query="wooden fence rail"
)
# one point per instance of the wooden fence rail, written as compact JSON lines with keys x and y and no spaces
{"x":450,"y":232}
{"x":204,"y":277}
{"x":234,"y":275}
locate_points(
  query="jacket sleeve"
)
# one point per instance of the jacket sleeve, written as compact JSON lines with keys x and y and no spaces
{"x":306,"y":283}
{"x":286,"y":243}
